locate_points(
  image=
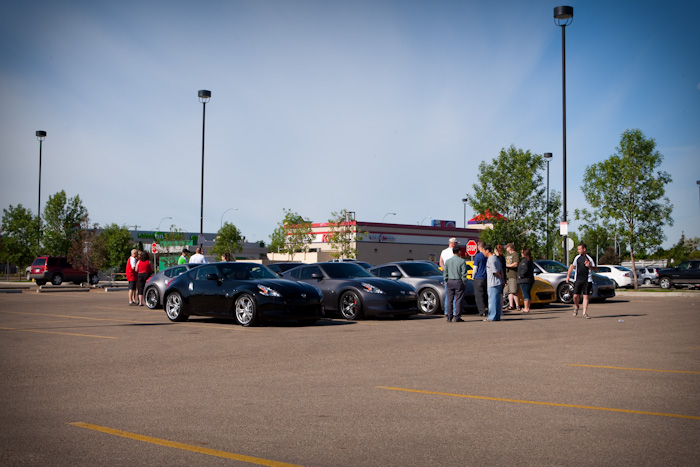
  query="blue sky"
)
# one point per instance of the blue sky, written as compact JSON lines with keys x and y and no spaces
{"x":317,"y":106}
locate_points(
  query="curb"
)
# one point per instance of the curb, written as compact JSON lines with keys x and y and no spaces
{"x":52,"y":289}
{"x":657,"y":294}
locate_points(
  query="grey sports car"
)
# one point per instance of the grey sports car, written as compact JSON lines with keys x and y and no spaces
{"x":158,"y":282}
{"x":427,"y":279}
{"x":354,"y":292}
{"x":555,"y":273}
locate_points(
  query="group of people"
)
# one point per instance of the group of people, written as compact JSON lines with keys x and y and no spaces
{"x":139,"y":269}
{"x":496,"y":274}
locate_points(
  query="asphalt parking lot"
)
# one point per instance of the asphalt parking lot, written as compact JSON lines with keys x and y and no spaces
{"x":87,"y":380}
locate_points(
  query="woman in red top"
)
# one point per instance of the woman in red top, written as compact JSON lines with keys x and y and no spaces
{"x":145,"y":271}
{"x":132,"y":276}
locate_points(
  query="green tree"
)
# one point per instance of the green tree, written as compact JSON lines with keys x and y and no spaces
{"x":62,"y":220}
{"x":293,"y":234}
{"x":343,"y":234}
{"x":117,"y":246}
{"x":228,"y":240}
{"x":628,"y":191}
{"x":512,"y":187}
{"x":596,"y":233}
{"x":173,"y":239}
{"x":87,"y":249}
{"x":19,"y":234}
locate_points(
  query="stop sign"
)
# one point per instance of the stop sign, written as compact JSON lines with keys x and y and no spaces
{"x":471,"y":248}
{"x":154,"y":248}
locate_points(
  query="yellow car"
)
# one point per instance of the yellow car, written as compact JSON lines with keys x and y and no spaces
{"x":542,"y":293}
{"x":470,"y":270}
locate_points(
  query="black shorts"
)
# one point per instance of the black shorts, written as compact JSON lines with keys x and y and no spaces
{"x":132,"y":285}
{"x":583,"y":288}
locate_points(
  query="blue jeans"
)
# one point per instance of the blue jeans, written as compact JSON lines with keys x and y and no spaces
{"x":495,"y":303}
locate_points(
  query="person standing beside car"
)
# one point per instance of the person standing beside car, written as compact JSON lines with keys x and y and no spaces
{"x":198,"y":257}
{"x":480,"y":290}
{"x":455,"y":276}
{"x":446,"y":254}
{"x":183,"y":257}
{"x":512,"y":261}
{"x":526,"y":278}
{"x":494,"y":280}
{"x":132,"y":276}
{"x":584,"y":267}
{"x":145,"y":270}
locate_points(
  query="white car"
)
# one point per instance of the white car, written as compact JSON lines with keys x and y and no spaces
{"x":620,"y":275}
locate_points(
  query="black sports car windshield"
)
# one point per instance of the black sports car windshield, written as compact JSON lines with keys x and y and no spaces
{"x":421,"y":269}
{"x":552,"y":266}
{"x":246,"y":271}
{"x":345,"y":271}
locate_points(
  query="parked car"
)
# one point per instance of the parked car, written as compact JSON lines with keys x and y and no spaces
{"x":157,"y":283}
{"x":354,"y":292}
{"x":427,"y":279}
{"x":542,"y":293}
{"x":57,"y":270}
{"x":248,"y":292}
{"x":685,"y":274}
{"x":648,"y":275}
{"x":364,"y":264}
{"x":554,"y":272}
{"x":620,"y":275}
{"x":279,"y":268}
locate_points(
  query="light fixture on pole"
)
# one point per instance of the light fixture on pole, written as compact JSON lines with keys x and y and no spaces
{"x":464,"y":200}
{"x":204,"y":97}
{"x":41,"y":136}
{"x":161,"y":221}
{"x":222,"y":216}
{"x":388,"y":214}
{"x":563,"y":16}
{"x":547,"y":157}
{"x":698,"y":183}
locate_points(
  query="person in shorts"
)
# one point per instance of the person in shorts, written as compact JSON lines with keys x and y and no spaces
{"x":511,"y":288}
{"x":131,"y":277}
{"x":583,"y":268}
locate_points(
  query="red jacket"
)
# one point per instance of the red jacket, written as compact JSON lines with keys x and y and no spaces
{"x":130,"y":273}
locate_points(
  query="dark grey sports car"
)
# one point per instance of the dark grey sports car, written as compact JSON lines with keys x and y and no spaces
{"x":156,"y":284}
{"x":248,"y":292}
{"x":427,"y":279}
{"x":351,"y":290}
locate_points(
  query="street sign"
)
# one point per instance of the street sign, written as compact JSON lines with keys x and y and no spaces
{"x":471,"y":248}
{"x":569,"y":243}
{"x":154,"y":248}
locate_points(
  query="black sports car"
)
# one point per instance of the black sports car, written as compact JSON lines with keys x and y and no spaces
{"x":354,"y":292}
{"x":248,"y":292}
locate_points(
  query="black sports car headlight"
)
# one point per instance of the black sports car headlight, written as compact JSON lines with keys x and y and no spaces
{"x":267,"y":291}
{"x":371,"y":288}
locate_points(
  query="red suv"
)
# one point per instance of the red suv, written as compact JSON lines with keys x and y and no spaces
{"x":57,"y":270}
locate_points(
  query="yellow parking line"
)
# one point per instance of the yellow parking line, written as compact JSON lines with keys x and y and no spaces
{"x":56,"y":332}
{"x":636,"y":369}
{"x":553,"y":404}
{"x":185,"y":447}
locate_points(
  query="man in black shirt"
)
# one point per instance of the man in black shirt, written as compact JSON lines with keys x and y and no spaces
{"x":583,"y":278}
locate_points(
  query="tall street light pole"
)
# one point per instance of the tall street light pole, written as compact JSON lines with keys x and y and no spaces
{"x":563,"y":16}
{"x":222,"y":216}
{"x":41,"y":136}
{"x":204,"y":97}
{"x":388,"y":214}
{"x":698,"y":183}
{"x":547,"y":157}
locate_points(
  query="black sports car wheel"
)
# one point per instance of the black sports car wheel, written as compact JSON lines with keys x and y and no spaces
{"x":245,"y":310}
{"x":350,"y":305}
{"x":565,"y":292}
{"x":173,"y":307}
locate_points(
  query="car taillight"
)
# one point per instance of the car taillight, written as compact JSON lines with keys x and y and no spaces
{"x":627,"y":274}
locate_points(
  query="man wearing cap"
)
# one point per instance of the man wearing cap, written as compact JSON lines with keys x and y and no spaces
{"x":183,"y":258}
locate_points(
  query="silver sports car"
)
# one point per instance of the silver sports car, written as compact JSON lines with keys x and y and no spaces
{"x":555,"y":273}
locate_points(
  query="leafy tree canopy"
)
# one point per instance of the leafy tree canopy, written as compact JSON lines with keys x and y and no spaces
{"x":62,"y":220}
{"x":228,"y":240}
{"x":20,"y":230}
{"x":293,"y":234}
{"x":117,"y":246}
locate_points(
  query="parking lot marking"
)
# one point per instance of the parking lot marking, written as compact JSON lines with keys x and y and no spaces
{"x":56,"y":332}
{"x":185,"y":447}
{"x":636,"y":369}
{"x":552,"y":404}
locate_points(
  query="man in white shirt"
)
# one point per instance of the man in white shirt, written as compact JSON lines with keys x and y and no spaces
{"x":446,"y":254}
{"x":198,"y":257}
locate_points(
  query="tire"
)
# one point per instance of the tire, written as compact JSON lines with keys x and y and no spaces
{"x":429,"y":302}
{"x":647,"y":281}
{"x":565,"y":293}
{"x":665,"y":283}
{"x":94,"y":279}
{"x":617,"y":286}
{"x":246,"y":310}
{"x":350,"y":305}
{"x":152,"y":298}
{"x":28,"y":274}
{"x":57,"y":279}
{"x":173,"y":307}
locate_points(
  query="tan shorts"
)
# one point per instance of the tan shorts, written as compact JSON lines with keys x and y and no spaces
{"x":512,"y":286}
